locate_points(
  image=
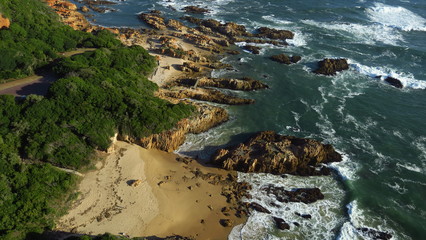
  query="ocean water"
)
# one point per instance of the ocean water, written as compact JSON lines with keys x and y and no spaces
{"x":380,"y":130}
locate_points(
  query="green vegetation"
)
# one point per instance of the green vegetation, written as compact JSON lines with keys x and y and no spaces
{"x":98,"y":94}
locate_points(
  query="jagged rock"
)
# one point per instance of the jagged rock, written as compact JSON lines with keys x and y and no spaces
{"x":222,"y":42}
{"x":243,"y":84}
{"x":85,"y":9}
{"x":136,"y":182}
{"x":282,"y":58}
{"x":259,"y":208}
{"x":67,"y":5}
{"x":252,"y":49}
{"x":192,"y":19}
{"x":394,"y":82}
{"x":269,"y":152}
{"x":281,"y":224}
{"x":374,"y":234}
{"x":4,"y":22}
{"x":154,"y":20}
{"x":233,"y":52}
{"x":331,"y":66}
{"x":209,"y":95}
{"x":305,"y":195}
{"x":194,"y":9}
{"x":175,"y":25}
{"x":274,"y":33}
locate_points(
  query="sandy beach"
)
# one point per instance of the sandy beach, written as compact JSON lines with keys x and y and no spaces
{"x":170,"y":200}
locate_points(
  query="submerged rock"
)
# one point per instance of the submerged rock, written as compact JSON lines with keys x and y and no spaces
{"x":305,"y":195}
{"x":269,"y":152}
{"x":330,"y":66}
{"x":259,"y":208}
{"x":252,"y":49}
{"x":374,"y":234}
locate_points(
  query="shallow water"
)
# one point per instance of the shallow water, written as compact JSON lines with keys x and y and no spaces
{"x":380,"y":130}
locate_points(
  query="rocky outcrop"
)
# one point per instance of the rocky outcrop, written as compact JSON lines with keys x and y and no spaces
{"x":394,"y":82}
{"x":243,"y":84}
{"x":269,"y":152}
{"x":274,"y":33}
{"x":330,"y":66}
{"x":259,"y":208}
{"x":175,"y":25}
{"x":195,"y":9}
{"x":228,"y":29}
{"x":69,"y":15}
{"x":281,"y":224}
{"x":204,"y":94}
{"x":282,"y":58}
{"x":154,"y":20}
{"x":374,"y":234}
{"x":4,"y":22}
{"x":305,"y":195}
{"x":252,"y":49}
{"x":207,"y":116}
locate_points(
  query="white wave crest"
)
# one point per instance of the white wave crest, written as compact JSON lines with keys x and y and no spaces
{"x":396,"y":17}
{"x":407,"y":79}
{"x":367,"y":34}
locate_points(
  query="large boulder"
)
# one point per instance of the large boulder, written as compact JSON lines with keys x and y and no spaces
{"x":269,"y":152}
{"x":4,"y":22}
{"x":330,"y":66}
{"x":274,"y":33}
{"x":252,"y":49}
{"x":154,"y":20}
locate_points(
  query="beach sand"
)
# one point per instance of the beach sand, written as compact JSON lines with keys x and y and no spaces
{"x":171,"y":200}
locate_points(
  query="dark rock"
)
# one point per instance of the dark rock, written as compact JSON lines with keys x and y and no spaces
{"x":252,"y":49}
{"x":194,"y":9}
{"x":233,"y":52}
{"x":259,"y":208}
{"x":192,"y":19}
{"x":394,"y":82}
{"x":295,"y":59}
{"x":281,"y":224}
{"x":296,"y":224}
{"x":274,"y":33}
{"x":226,"y":222}
{"x":281,"y":58}
{"x":331,"y":66}
{"x":305,"y":195}
{"x":269,"y":152}
{"x":374,"y":234}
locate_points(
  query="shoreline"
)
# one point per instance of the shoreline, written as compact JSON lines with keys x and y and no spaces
{"x":162,"y":204}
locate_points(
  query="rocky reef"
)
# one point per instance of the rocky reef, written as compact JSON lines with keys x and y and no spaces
{"x":242,"y":84}
{"x":330,"y":66}
{"x":270,"y":152}
{"x":282,"y":58}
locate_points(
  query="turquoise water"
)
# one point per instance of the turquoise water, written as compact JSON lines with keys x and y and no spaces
{"x":379,"y":129}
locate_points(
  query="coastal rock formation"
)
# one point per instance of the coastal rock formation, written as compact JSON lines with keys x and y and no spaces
{"x":274,"y":33}
{"x":269,"y":152}
{"x":282,"y":58}
{"x":243,"y":84}
{"x":305,"y":195}
{"x":4,"y":22}
{"x":258,"y":207}
{"x":330,"y":66}
{"x":175,"y":25}
{"x":252,"y":49}
{"x":281,"y":224}
{"x":207,"y":117}
{"x":394,"y":82}
{"x":195,"y":9}
{"x":154,"y":20}
{"x":69,"y":15}
{"x":204,"y":94}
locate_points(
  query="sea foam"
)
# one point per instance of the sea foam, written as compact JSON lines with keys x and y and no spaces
{"x":396,"y":17}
